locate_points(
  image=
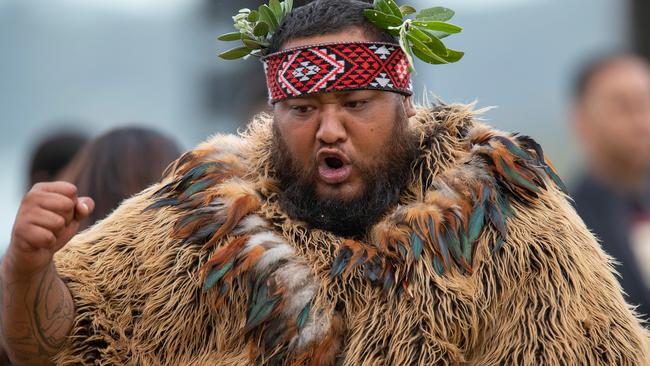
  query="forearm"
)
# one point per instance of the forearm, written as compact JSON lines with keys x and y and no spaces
{"x":37,"y":313}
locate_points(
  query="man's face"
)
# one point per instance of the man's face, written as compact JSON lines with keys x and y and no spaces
{"x":615,"y":113}
{"x":340,"y":146}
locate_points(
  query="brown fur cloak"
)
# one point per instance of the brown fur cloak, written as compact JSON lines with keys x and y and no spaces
{"x":483,"y":262}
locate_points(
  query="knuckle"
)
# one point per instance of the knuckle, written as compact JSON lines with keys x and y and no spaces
{"x":59,"y":222}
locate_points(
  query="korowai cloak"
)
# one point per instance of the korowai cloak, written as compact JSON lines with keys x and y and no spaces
{"x":483,"y":262}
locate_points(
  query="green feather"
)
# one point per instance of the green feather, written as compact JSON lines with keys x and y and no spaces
{"x":303,"y":316}
{"x":513,"y":148}
{"x":498,"y":244}
{"x":556,"y":179}
{"x":476,"y":221}
{"x":341,"y":261}
{"x":437,"y":266}
{"x":197,"y":187}
{"x":260,"y":312}
{"x":216,"y":275}
{"x":416,"y":245}
{"x":454,"y":244}
{"x":170,"y":201}
{"x":521,"y":181}
{"x":442,"y":243}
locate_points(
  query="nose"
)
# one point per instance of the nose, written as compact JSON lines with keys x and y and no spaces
{"x":332,"y":127}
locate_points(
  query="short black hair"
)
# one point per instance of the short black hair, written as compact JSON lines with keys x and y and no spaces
{"x":321,"y":17}
{"x":593,"y":66}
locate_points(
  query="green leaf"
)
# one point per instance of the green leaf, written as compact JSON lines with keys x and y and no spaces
{"x":432,"y":43}
{"x":287,"y":6}
{"x":453,"y":55}
{"x":406,"y":10}
{"x":253,"y":16}
{"x":276,"y":8}
{"x":252,"y":44}
{"x":439,"y":35}
{"x":382,"y":20}
{"x":267,"y":16}
{"x":261,"y":29}
{"x":235,"y":53}
{"x":382,"y":6}
{"x":394,"y":9}
{"x":438,"y":26}
{"x":425,"y":54}
{"x":406,"y":47}
{"x":437,"y":13}
{"x":232,"y":36}
{"x":420,"y":34}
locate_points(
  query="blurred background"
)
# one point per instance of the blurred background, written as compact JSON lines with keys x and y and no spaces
{"x":88,"y":66}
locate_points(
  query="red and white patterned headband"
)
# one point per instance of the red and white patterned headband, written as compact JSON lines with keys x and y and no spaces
{"x":331,"y":67}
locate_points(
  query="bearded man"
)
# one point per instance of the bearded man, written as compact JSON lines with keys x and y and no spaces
{"x":349,"y":228}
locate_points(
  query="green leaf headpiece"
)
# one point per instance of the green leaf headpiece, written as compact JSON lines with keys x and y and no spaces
{"x":419,"y":36}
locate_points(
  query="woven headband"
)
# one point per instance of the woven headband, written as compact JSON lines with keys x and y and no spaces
{"x":331,"y":67}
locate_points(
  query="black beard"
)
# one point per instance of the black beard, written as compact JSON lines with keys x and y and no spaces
{"x":383,"y":181}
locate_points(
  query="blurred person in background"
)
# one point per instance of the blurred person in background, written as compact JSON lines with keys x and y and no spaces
{"x":612,"y":120}
{"x":117,"y":165}
{"x":51,"y":154}
{"x":108,"y":168}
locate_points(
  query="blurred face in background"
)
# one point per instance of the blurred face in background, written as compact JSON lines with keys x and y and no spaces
{"x":613,"y":116}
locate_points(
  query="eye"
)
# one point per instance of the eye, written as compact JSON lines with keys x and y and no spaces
{"x":302,"y":109}
{"x":355,"y":104}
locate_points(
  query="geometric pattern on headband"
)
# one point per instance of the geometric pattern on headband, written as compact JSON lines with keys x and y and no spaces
{"x":334,"y":67}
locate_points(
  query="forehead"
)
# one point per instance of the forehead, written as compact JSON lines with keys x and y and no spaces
{"x":351,"y":34}
{"x":625,"y":74}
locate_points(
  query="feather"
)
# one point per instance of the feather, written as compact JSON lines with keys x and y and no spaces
{"x":341,"y":261}
{"x":303,"y":316}
{"x":215,"y":275}
{"x":168,"y":201}
{"x":262,"y":307}
{"x":416,"y":246}
{"x":550,"y":170}
{"x":513,"y":148}
{"x":438,"y":267}
{"x":241,"y":207}
{"x":443,"y":248}
{"x":498,"y":244}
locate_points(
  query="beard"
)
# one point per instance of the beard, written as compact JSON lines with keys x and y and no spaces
{"x":383,"y":183}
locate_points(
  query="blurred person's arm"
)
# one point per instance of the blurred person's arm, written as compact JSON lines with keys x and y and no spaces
{"x":36,"y":308}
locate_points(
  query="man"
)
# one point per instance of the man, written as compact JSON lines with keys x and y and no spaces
{"x":349,"y":228}
{"x":612,"y":120}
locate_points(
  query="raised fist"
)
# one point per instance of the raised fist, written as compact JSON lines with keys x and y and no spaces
{"x":47,"y":219}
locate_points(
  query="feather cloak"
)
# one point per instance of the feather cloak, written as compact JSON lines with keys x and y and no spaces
{"x":483,"y":262}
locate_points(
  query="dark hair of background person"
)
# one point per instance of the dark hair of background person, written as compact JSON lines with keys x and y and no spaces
{"x":587,"y":70}
{"x":326,"y":17}
{"x":51,"y":154}
{"x":117,"y":165}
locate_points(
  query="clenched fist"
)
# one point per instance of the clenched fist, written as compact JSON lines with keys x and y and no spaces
{"x":47,"y":219}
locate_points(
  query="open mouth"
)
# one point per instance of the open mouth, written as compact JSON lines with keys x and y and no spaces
{"x":333,"y":162}
{"x":333,"y":166}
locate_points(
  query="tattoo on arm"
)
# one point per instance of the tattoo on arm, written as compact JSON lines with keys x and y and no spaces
{"x":46,"y":312}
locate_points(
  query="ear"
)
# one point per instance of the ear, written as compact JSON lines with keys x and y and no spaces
{"x":409,"y":108}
